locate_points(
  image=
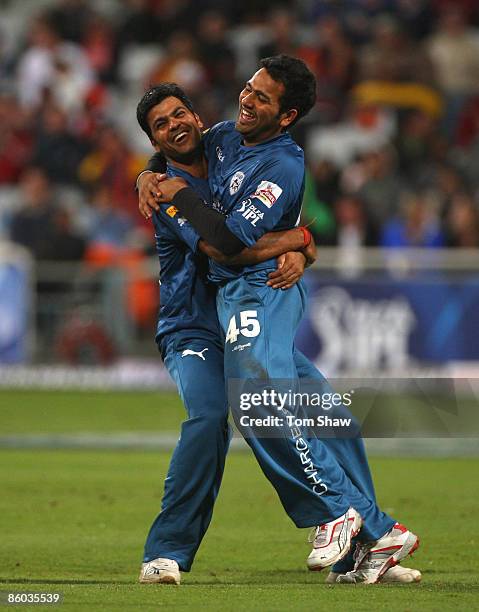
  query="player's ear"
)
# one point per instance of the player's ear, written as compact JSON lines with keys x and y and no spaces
{"x":199,"y":122}
{"x":287,"y":118}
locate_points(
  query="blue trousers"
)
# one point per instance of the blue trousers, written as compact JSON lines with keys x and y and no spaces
{"x":264,"y":322}
{"x":197,"y":464}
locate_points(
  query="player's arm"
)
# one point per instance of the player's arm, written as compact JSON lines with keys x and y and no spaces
{"x":210,"y":224}
{"x":268,"y":246}
{"x":147,"y":185}
{"x":272,"y":190}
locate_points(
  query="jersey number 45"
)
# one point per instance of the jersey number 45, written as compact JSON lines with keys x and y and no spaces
{"x":249,"y":326}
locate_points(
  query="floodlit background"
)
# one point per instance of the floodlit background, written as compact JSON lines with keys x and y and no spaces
{"x":392,"y":153}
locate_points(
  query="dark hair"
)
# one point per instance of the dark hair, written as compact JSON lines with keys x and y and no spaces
{"x":155,"y":95}
{"x":299,"y":83}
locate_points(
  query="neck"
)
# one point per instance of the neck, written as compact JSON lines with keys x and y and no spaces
{"x":258,"y":140}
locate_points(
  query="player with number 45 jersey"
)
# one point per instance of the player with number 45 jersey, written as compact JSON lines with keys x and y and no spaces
{"x":256,"y":177}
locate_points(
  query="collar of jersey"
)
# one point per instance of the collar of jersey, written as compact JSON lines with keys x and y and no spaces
{"x":266,"y":143}
{"x":174,"y":171}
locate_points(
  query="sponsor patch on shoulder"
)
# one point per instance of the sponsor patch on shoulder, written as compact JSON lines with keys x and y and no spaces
{"x":268,"y":193}
{"x":171,"y":211}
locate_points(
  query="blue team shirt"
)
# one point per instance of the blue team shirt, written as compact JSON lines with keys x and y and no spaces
{"x":258,"y":188}
{"x":187,"y":298}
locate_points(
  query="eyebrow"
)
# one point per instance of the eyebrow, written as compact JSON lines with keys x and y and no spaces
{"x":259,"y":92}
{"x":173,"y":112}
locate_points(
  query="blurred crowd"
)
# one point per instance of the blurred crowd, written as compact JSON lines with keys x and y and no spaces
{"x":392,"y":146}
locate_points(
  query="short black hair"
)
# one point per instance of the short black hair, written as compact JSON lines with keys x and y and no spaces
{"x":155,"y":95}
{"x":298,"y":81}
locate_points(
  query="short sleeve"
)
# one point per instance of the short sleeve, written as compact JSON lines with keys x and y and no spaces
{"x":274,"y":189}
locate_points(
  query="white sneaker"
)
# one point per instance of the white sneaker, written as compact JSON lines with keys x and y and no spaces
{"x":332,"y":541}
{"x":396,"y":574}
{"x":163,"y":571}
{"x":374,"y":559}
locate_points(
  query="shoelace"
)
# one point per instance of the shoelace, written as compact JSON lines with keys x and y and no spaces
{"x":317,"y":535}
{"x":162,"y":565}
{"x":361,"y":552}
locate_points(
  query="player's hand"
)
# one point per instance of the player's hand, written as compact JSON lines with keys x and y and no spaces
{"x":310,"y":252}
{"x":148,"y":193}
{"x":291,"y":267}
{"x":169,"y":187}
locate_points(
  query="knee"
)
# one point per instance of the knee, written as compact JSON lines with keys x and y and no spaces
{"x":208,"y":423}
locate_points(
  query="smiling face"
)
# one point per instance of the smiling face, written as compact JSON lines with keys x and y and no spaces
{"x":259,"y":117}
{"x":175,"y":130}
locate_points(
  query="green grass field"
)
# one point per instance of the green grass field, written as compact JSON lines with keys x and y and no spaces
{"x":74,"y":522}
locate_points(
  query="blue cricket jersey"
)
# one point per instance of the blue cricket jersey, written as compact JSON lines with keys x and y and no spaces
{"x":258,"y":188}
{"x":187,"y":298}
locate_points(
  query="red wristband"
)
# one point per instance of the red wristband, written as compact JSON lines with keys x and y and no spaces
{"x":307,"y":236}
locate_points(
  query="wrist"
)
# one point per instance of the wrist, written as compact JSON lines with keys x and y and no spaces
{"x":138,"y":178}
{"x":307,"y":236}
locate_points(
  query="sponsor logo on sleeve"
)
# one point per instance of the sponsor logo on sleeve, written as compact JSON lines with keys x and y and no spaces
{"x":268,"y":193}
{"x":252,"y":214}
{"x":236,"y":181}
{"x":171,"y":211}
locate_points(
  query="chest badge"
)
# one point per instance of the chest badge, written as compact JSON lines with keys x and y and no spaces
{"x":236,"y":181}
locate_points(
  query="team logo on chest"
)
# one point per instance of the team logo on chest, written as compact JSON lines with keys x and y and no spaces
{"x":236,"y":181}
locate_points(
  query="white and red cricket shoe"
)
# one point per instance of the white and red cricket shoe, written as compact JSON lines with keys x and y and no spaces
{"x":394,"y":575}
{"x":374,"y":559}
{"x":332,"y":541}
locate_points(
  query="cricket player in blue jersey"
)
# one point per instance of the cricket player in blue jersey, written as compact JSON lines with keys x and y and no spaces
{"x":256,"y":176}
{"x":188,"y":336}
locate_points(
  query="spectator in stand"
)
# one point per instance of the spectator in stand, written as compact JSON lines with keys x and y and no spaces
{"x":416,"y":139}
{"x":393,"y":56}
{"x":283,"y":35}
{"x":454,"y":52}
{"x":32,"y":225}
{"x":70,"y":19}
{"x":379,"y":186}
{"x":366,"y":128}
{"x":140,"y":24}
{"x":107,"y":225}
{"x":467,"y":131}
{"x":416,"y":17}
{"x":352,"y":225}
{"x":101,"y":49}
{"x":16,"y":139}
{"x":112,"y":163}
{"x":57,"y":150}
{"x":462,"y":222}
{"x":417,"y":225}
{"x":52,"y":67}
{"x":41,"y":225}
{"x":217,"y":56}
{"x":180,"y":64}
{"x":331,"y":58}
